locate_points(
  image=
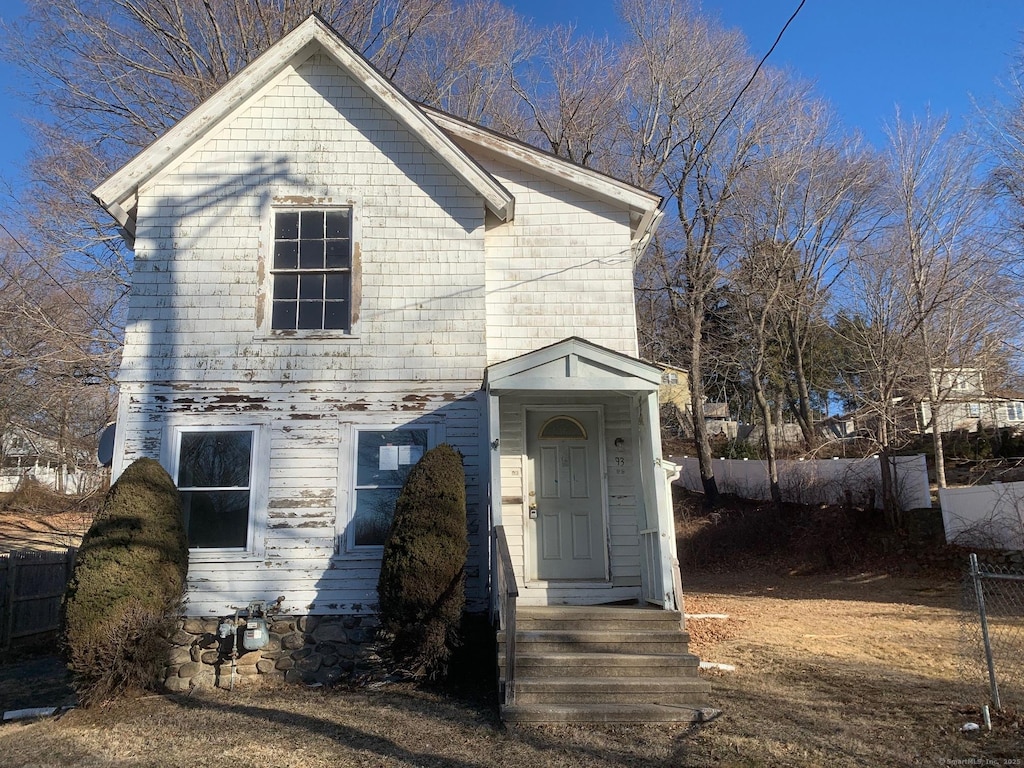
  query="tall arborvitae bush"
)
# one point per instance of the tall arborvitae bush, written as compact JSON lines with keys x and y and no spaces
{"x":126,"y":586}
{"x":422,"y":575}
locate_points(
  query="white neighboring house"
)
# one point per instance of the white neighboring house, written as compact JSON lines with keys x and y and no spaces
{"x":329,"y":280}
{"x":28,"y":454}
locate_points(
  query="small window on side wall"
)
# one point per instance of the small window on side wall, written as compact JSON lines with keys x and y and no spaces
{"x":213,"y":472}
{"x":384,"y":459}
{"x":312,"y":270}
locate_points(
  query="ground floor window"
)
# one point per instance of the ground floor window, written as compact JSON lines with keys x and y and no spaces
{"x":384,"y":458}
{"x":213,"y":469}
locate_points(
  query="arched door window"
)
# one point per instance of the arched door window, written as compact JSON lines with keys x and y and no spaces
{"x":562,"y":428}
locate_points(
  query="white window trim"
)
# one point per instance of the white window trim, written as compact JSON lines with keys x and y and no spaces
{"x":348,"y":467}
{"x":302,"y":200}
{"x":259,"y":472}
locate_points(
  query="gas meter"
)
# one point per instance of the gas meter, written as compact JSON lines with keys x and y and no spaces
{"x":256,"y":633}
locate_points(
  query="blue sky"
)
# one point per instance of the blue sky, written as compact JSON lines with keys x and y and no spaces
{"x":865,"y":56}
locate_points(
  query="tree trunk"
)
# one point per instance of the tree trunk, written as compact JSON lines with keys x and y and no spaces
{"x":769,"y":444}
{"x":940,"y":455}
{"x":803,"y":393}
{"x":700,"y":426}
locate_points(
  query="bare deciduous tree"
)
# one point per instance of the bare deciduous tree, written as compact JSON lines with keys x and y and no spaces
{"x":692,"y":136}
{"x":936,"y":207}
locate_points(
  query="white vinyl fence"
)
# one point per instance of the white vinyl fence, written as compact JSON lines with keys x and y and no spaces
{"x":816,"y":481}
{"x":984,"y":516}
{"x":57,"y":478}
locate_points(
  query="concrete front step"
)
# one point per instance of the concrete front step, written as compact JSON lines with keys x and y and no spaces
{"x":605,"y":713}
{"x":689,"y":692}
{"x":609,"y":618}
{"x":646,"y":665}
{"x":603,"y":664}
{"x":597,"y":641}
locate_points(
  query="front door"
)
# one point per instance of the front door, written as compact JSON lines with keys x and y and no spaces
{"x":566,"y":495}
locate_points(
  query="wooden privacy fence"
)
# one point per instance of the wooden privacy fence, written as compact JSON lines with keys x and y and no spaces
{"x":32,"y":585}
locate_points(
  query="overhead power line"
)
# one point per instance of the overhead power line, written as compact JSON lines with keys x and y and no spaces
{"x":87,"y":310}
{"x":753,"y":76}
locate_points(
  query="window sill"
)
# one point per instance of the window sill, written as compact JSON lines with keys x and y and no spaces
{"x":221,"y":556}
{"x":305,"y":336}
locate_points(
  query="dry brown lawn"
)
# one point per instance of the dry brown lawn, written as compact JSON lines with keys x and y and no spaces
{"x":830,"y":671}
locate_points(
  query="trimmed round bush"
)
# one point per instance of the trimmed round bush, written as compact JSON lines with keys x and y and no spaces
{"x":126,"y":587}
{"x":423,"y":570}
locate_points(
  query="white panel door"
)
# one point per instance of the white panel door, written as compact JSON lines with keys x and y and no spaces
{"x":566,"y":495}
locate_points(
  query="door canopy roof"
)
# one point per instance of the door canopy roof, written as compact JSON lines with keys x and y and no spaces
{"x":573,"y":364}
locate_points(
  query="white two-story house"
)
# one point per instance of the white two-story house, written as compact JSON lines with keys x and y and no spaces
{"x":329,"y":280}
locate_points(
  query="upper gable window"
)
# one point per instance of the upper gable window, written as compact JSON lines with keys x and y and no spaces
{"x":312,"y":270}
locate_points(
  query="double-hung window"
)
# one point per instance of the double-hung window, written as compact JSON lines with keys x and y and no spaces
{"x":1015,"y":411}
{"x":383,"y":461}
{"x":312,"y":270}
{"x":213,"y":469}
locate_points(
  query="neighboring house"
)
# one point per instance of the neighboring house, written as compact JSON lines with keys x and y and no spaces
{"x":330,"y":280}
{"x":675,"y":389}
{"x":966,"y":403}
{"x":28,"y":454}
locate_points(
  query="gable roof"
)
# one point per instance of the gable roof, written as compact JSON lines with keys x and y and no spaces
{"x":644,"y":207}
{"x":572,"y":364}
{"x":119,"y":193}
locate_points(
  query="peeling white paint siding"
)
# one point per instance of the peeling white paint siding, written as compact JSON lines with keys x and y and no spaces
{"x":195,"y":353}
{"x":302,"y":544}
{"x":203,"y":244}
{"x":563,"y":267}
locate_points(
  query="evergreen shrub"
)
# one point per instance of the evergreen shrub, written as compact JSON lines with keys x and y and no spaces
{"x":126,"y":587}
{"x":422,"y":576}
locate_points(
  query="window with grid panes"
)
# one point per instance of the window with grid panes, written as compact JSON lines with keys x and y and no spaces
{"x":312,"y":270}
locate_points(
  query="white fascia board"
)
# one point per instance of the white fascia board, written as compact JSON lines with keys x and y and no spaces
{"x":296,"y":46}
{"x":644,"y":206}
{"x":515,"y":373}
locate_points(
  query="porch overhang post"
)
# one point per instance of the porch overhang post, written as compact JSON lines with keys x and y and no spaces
{"x":660,"y":475}
{"x":492,"y":449}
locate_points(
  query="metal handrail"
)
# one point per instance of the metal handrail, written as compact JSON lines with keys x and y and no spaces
{"x":508,"y":591}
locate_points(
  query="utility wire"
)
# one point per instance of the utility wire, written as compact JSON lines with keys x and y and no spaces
{"x":743,"y":90}
{"x":99,"y":323}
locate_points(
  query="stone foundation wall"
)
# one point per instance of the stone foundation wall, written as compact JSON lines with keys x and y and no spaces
{"x":301,"y":649}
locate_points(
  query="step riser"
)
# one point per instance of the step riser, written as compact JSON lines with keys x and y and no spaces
{"x":695,"y":699}
{"x":608,"y":646}
{"x":596,"y":670}
{"x":599,"y":672}
{"x":588,"y":633}
{"x":598,"y":614}
{"x":564,"y":625}
{"x":541,"y":713}
{"x":610,"y":691}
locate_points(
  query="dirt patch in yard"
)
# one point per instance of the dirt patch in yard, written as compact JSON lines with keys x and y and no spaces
{"x":35,"y":518}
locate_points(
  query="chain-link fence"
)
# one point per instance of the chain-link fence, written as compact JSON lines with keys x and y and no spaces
{"x":993,"y":630}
